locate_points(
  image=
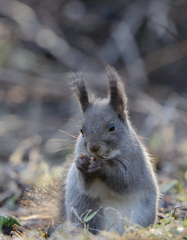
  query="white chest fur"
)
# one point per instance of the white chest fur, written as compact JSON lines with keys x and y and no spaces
{"x":117,"y":208}
{"x":118,"y":212}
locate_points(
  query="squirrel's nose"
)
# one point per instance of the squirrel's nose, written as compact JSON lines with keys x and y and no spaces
{"x":94,"y":148}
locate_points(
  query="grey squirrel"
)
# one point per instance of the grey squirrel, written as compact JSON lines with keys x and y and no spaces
{"x":111,"y":173}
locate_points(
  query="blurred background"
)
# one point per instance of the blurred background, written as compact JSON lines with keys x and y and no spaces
{"x":42,"y":40}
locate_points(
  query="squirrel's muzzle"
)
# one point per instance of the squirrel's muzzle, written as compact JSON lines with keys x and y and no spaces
{"x":94,"y":148}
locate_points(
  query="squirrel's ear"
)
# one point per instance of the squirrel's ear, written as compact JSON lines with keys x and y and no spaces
{"x":116,"y":92}
{"x":80,"y":90}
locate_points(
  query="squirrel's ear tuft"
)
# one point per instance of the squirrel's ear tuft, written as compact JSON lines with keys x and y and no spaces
{"x":116,"y":92}
{"x":78,"y":86}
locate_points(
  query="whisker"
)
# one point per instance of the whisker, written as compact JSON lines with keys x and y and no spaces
{"x":67,"y":133}
{"x":63,"y":148}
{"x":52,"y":140}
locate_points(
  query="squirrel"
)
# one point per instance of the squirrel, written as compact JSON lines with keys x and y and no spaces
{"x":111,"y":173}
{"x":110,"y":177}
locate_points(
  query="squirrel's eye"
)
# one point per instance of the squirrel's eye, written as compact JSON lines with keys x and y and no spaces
{"x":111,"y":128}
{"x":81,"y":130}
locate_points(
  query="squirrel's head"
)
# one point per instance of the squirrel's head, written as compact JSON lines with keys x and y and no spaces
{"x":104,"y":121}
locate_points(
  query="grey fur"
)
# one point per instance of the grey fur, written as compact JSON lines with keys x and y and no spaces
{"x":80,"y":90}
{"x":121,"y":175}
{"x":117,"y":97}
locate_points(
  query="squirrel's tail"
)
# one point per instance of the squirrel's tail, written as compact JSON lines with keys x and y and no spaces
{"x":44,"y":205}
{"x":41,"y":205}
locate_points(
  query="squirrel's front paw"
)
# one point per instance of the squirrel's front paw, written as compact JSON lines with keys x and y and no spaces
{"x":82,"y":163}
{"x":89,"y":166}
{"x":95,"y":168}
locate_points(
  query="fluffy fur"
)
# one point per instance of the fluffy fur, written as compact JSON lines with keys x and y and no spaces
{"x":120,"y":179}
